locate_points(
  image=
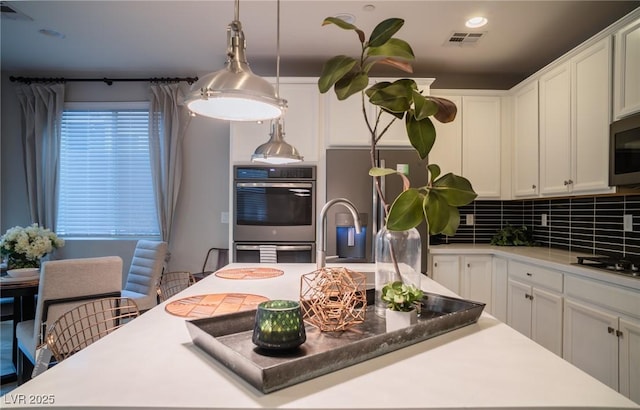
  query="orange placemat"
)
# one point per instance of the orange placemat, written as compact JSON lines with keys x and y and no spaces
{"x":215,"y":304}
{"x":249,"y":273}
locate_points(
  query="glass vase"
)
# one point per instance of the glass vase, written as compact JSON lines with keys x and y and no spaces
{"x":398,"y":258}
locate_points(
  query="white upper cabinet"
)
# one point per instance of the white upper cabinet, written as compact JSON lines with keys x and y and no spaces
{"x":481,"y":144}
{"x":591,"y":86}
{"x":574,"y":123}
{"x":447,"y":150}
{"x":301,"y":123}
{"x":525,"y":141}
{"x":627,"y":71}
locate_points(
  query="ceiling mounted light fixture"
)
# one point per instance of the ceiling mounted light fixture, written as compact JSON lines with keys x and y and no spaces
{"x":277,"y":150}
{"x":476,"y":22}
{"x":235,"y":93}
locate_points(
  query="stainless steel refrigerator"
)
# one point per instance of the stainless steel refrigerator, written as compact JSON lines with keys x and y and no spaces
{"x":348,"y":177}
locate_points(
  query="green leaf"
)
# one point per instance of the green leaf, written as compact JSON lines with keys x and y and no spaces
{"x":406,"y":211}
{"x":392,"y":48}
{"x":384,"y":31}
{"x":454,"y":222}
{"x":456,"y":190}
{"x":334,"y":70}
{"x":394,"y":97}
{"x":344,"y":25}
{"x":350,"y":84}
{"x":422,"y":134}
{"x":447,"y":109}
{"x":381,"y":172}
{"x":434,"y":171}
{"x":437,"y":211}
{"x":398,"y":115}
{"x":423,"y":106}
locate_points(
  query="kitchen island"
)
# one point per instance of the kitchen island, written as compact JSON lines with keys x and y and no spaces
{"x":152,"y":363}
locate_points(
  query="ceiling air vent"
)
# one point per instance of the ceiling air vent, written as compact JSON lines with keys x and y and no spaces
{"x":461,"y":38}
{"x":9,"y":12}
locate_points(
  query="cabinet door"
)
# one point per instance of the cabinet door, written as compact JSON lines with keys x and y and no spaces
{"x":591,"y":77}
{"x":476,"y":279}
{"x":546,"y":319}
{"x":630,"y":359}
{"x":499,"y":291}
{"x":555,"y":130}
{"x":447,"y":150}
{"x":301,"y":125}
{"x":481,"y":144}
{"x":590,"y":342}
{"x":446,"y":271}
{"x":525,"y":141}
{"x":519,"y":307}
{"x":344,"y":122}
{"x":627,"y":71}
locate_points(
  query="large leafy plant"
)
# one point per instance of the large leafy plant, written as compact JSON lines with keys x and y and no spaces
{"x":438,"y":201}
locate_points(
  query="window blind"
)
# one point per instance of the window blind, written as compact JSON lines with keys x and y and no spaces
{"x":105,"y":185}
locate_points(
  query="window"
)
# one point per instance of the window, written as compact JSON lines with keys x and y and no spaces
{"x":105,"y":185}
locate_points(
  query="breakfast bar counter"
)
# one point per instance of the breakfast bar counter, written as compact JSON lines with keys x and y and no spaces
{"x":152,"y":363}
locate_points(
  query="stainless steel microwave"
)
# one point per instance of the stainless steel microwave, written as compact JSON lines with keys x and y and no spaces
{"x":624,"y":151}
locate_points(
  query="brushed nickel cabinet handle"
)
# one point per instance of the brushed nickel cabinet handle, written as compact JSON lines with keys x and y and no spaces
{"x":618,"y":333}
{"x":435,"y":264}
{"x":610,"y":329}
{"x":533,"y":186}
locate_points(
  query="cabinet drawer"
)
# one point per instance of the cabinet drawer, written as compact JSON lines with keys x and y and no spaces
{"x":536,"y":275}
{"x":613,"y":297}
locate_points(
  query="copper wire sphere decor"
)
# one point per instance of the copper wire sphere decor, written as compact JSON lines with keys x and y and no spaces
{"x":333,"y":299}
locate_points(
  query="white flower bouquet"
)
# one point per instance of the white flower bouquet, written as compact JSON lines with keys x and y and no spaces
{"x":24,"y":247}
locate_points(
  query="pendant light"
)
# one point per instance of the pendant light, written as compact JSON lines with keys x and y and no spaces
{"x":277,"y":150}
{"x":235,"y":93}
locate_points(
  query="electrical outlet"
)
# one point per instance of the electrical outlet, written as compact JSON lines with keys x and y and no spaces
{"x":470,"y":219}
{"x":544,"y":221}
{"x":224,"y":217}
{"x":627,"y":223}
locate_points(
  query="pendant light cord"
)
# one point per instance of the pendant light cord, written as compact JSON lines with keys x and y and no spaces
{"x":236,"y":11}
{"x":278,"y":51}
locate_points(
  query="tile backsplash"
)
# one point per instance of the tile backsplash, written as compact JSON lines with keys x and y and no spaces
{"x":592,"y":225}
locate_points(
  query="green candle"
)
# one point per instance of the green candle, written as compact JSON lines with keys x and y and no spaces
{"x":279,"y":325}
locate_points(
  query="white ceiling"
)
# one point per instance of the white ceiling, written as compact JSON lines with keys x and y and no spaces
{"x":188,"y":38}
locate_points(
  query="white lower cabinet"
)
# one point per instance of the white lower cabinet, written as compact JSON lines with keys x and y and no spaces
{"x":466,"y":275}
{"x":534,"y":304}
{"x":602,"y":333}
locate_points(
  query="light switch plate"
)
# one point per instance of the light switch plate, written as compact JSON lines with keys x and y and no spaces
{"x":224,"y":217}
{"x":627,"y":223}
{"x":470,"y":219}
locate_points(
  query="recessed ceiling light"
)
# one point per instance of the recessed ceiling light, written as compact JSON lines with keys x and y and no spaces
{"x":346,"y":17}
{"x":476,"y":22}
{"x":368,"y":7}
{"x":51,"y":33}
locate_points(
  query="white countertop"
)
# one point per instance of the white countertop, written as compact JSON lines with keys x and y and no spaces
{"x":544,"y":256}
{"x":152,"y":363}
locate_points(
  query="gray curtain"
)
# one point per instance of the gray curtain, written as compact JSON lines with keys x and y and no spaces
{"x":168,"y":121}
{"x":42,"y":106}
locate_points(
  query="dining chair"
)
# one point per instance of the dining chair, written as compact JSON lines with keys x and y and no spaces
{"x":172,"y":283}
{"x":87,"y":323}
{"x":146,"y":267}
{"x":63,"y":285}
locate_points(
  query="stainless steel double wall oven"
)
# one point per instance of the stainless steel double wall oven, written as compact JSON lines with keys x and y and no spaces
{"x":274,"y":212}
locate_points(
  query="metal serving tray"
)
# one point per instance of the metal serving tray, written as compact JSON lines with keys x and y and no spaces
{"x":227,"y":338}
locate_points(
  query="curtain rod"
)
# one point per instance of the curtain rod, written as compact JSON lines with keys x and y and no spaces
{"x":108,"y":81}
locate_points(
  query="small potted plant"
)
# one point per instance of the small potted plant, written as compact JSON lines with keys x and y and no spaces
{"x":403,"y":301}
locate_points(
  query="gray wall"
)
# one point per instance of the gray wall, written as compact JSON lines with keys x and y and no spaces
{"x":204,"y":192}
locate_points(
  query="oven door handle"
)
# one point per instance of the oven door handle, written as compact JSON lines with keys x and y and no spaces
{"x":274,"y":185}
{"x":283,"y":248}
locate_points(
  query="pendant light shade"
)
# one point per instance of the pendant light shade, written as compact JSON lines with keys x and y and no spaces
{"x":276,"y":150}
{"x":235,"y":93}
